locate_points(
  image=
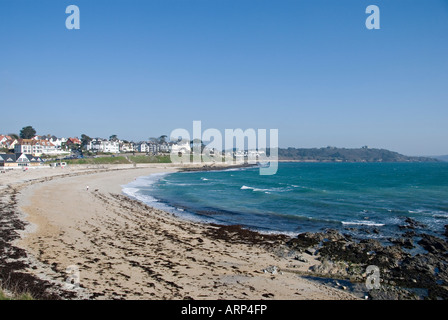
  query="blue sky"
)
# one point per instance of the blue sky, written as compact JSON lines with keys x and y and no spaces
{"x":309,"y":68}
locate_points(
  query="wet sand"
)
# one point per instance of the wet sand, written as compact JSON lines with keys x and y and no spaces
{"x":124,"y":249}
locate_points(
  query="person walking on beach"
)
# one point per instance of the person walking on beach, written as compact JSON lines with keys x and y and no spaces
{"x":87,"y":188}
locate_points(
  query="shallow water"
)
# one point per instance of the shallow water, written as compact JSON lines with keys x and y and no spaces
{"x":362,"y":199}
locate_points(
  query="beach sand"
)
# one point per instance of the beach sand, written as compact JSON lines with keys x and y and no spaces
{"x":124,"y":249}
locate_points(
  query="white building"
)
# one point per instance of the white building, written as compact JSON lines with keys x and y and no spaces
{"x":127,"y":147}
{"x":35,"y":147}
{"x":3,"y":139}
{"x":148,"y":147}
{"x":165,"y":147}
{"x":58,"y":142}
{"x":7,"y":142}
{"x":142,"y":147}
{"x":181,"y":147}
{"x":103,"y":145}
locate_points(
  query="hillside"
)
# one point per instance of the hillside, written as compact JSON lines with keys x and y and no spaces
{"x":333,"y":154}
{"x":441,"y":158}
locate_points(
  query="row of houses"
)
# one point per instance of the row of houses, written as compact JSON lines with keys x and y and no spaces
{"x":54,"y":146}
{"x":38,"y":145}
{"x":117,"y":146}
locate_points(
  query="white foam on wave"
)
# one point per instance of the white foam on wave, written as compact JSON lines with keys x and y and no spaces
{"x":430,"y":213}
{"x":274,"y":232}
{"x":238,"y":169}
{"x":268,"y":191}
{"x":133,"y":188}
{"x":254,"y":189}
{"x":363,"y":223}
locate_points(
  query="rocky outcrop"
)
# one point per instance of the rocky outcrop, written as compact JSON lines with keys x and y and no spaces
{"x":412,"y":224}
{"x":398,"y":267}
{"x":433,"y":244}
{"x":403,"y":242}
{"x":305,"y":241}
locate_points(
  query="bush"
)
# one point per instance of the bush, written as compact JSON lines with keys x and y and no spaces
{"x":23,"y":296}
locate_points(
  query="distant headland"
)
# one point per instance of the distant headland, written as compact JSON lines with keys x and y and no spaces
{"x":334,"y":154}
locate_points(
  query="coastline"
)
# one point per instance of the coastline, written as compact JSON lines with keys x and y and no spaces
{"x":125,"y":249}
{"x":412,"y":264}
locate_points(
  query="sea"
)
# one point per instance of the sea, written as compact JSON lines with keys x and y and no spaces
{"x":364,"y":200}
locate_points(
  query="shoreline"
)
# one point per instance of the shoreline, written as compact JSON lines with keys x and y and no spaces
{"x":417,"y":249}
{"x":125,"y":249}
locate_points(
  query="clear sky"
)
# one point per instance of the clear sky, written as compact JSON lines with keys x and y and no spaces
{"x":309,"y":68}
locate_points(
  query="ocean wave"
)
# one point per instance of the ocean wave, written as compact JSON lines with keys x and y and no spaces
{"x":134,"y":193}
{"x":146,"y":181}
{"x":430,"y":213}
{"x":254,"y":189}
{"x":131,"y":192}
{"x":183,"y":184}
{"x":291,"y":234}
{"x":268,"y":190}
{"x":240,"y":169}
{"x":134,"y":188}
{"x":363,"y":223}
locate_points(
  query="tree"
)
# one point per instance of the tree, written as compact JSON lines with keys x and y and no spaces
{"x":27,"y":132}
{"x":85,"y":139}
{"x":162,"y":139}
{"x":113,"y":137}
{"x":197,"y":143}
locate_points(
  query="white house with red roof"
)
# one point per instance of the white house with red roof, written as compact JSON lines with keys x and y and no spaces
{"x":7,"y":142}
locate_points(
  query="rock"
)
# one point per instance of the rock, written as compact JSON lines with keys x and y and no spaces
{"x":306,"y":240}
{"x":326,"y":267}
{"x":394,"y":252}
{"x":403,"y":242}
{"x":433,"y":244}
{"x":333,"y":235}
{"x":446,"y":231}
{"x":417,"y":271}
{"x":412,"y":224}
{"x":271,"y":269}
{"x":300,"y":258}
{"x":399,"y":268}
{"x":409,"y":234}
{"x":415,"y":223}
{"x":370,"y":245}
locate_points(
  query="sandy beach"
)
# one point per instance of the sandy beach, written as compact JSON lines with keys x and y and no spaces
{"x":124,"y":249}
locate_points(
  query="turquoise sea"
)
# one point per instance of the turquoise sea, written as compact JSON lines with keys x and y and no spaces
{"x":362,"y":199}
